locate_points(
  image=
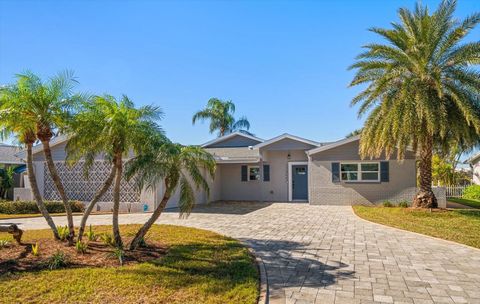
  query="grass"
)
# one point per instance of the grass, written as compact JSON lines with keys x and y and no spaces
{"x":199,"y":267}
{"x":467,"y":202}
{"x":461,"y":226}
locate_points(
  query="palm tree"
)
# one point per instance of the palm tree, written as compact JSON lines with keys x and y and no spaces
{"x":114,"y":129}
{"x":50,"y":105}
{"x":15,"y":122}
{"x":220,"y":113}
{"x":421,"y":88}
{"x":177,"y":166}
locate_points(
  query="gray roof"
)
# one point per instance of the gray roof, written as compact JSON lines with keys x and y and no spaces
{"x":7,"y":155}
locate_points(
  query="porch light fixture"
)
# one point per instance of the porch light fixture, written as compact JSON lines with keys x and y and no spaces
{"x":289,"y":156}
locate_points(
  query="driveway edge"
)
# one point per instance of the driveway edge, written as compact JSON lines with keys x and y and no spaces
{"x":417,"y":233}
{"x":263,"y":284}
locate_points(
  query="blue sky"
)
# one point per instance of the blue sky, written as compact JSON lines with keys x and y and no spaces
{"x":284,"y":64}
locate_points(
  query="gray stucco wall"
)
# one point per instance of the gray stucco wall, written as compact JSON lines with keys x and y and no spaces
{"x":323,"y":191}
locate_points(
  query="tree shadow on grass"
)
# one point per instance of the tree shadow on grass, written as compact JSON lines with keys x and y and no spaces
{"x":235,"y":208}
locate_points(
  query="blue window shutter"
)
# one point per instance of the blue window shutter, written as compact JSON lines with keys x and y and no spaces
{"x":244,"y":173}
{"x":266,"y":173}
{"x":384,"y":171}
{"x":335,"y":172}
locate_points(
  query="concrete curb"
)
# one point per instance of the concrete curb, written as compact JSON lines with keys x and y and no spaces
{"x":420,"y":234}
{"x":263,"y":284}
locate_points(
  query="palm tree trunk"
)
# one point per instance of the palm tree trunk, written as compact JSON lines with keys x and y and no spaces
{"x":155,"y":215}
{"x":36,"y":192}
{"x":61,"y":191}
{"x":116,"y":201}
{"x":425,"y":197}
{"x":95,"y":199}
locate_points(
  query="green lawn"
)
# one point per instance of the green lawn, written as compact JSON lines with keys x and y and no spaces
{"x":467,"y":202}
{"x":4,"y":216}
{"x":199,"y":267}
{"x":460,"y":226}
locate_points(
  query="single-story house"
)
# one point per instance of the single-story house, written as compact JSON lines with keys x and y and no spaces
{"x":7,"y":160}
{"x":474,"y":162}
{"x":285,"y":168}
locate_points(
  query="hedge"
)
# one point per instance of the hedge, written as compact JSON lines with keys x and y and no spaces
{"x":29,"y":207}
{"x":472,"y":192}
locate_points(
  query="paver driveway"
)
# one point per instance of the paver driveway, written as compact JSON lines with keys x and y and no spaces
{"x":325,"y":254}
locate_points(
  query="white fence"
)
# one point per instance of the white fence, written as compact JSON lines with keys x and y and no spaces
{"x":455,"y":191}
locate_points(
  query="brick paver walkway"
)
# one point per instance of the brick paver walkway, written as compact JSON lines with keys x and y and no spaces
{"x":325,"y":254}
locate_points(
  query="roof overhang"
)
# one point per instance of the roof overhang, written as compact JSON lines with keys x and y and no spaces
{"x":333,"y":145}
{"x":225,"y":137}
{"x":287,"y":136}
{"x":38,"y":148}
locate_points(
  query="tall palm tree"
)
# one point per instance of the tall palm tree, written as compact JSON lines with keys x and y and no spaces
{"x":176,"y":166}
{"x":421,"y":89}
{"x":49,"y":104}
{"x":114,"y":129}
{"x":220,"y":113}
{"x":15,"y":122}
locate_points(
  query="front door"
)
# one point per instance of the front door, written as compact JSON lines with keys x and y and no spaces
{"x":300,"y":182}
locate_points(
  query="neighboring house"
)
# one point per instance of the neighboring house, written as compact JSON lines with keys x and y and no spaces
{"x":282,"y":169}
{"x":474,"y":162}
{"x":8,"y":159}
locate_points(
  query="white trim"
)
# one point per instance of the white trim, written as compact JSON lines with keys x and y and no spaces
{"x":289,"y":136}
{"x":248,"y":173}
{"x":225,"y":137}
{"x":334,"y":144}
{"x":290,"y":164}
{"x":359,"y":172}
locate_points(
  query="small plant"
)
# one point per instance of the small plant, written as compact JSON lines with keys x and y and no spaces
{"x":4,"y":243}
{"x":63,"y":232}
{"x":58,"y":260}
{"x":92,"y":237}
{"x":81,"y":247}
{"x":35,"y":249}
{"x":387,"y":204}
{"x":403,"y":204}
{"x":119,"y":254}
{"x":107,"y":239}
{"x":143,"y":243}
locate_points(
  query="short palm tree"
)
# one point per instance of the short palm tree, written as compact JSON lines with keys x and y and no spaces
{"x":220,"y":113}
{"x":421,"y":89}
{"x":15,"y":122}
{"x":114,"y":129}
{"x":49,"y":104}
{"x":175,"y":166}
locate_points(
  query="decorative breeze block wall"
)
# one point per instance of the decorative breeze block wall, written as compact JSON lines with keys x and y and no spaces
{"x":79,"y":187}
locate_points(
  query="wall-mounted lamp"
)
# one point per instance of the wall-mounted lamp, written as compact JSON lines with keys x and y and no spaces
{"x":289,"y":156}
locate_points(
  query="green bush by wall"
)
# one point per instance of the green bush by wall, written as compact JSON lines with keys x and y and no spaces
{"x":472,"y":192}
{"x":28,"y":207}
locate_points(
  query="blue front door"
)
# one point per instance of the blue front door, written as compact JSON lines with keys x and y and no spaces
{"x":300,"y":182}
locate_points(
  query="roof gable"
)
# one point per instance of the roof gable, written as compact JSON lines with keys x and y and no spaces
{"x":287,"y":141}
{"x":334,"y":144}
{"x":233,"y":140}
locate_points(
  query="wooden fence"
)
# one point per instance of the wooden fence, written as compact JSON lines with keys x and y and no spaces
{"x":455,"y":190}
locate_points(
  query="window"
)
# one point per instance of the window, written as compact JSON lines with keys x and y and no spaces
{"x":363,"y":172}
{"x":253,"y":173}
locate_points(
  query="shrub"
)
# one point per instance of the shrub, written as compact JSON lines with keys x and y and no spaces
{"x":387,"y":204}
{"x":4,"y":244}
{"x":58,"y":260}
{"x":107,"y":239}
{"x":63,"y":232}
{"x":119,"y":254}
{"x":472,"y":192}
{"x":403,"y":204}
{"x":29,"y":207}
{"x":35,"y":249}
{"x":91,"y":234}
{"x":81,"y":247}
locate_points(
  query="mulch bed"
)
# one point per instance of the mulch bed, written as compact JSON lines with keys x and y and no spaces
{"x":17,"y":258}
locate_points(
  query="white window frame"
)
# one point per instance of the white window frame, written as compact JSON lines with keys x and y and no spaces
{"x":248,"y":174}
{"x":359,"y":172}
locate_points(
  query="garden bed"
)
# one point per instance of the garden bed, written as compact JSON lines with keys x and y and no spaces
{"x":179,"y":265}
